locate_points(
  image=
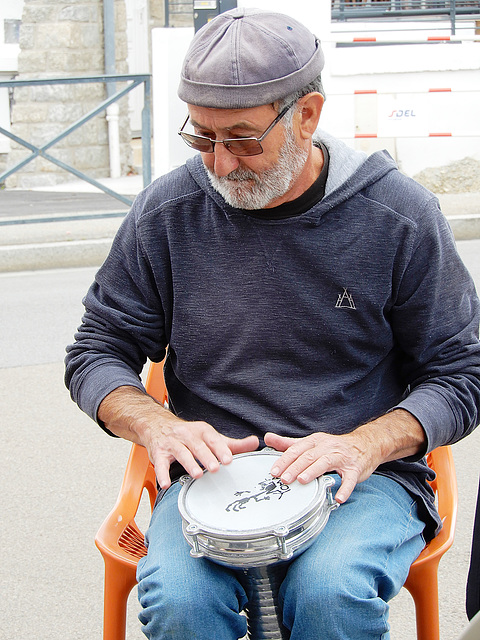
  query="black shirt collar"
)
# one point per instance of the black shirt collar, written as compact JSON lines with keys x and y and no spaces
{"x":303,"y":203}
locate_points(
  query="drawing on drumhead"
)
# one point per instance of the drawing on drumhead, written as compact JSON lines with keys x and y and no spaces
{"x":268,"y":488}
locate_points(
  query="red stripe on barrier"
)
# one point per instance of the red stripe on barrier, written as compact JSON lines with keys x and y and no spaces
{"x":440,"y":135}
{"x":438,"y":38}
{"x":364,"y":40}
{"x":363,"y":91}
{"x":366,"y":135}
{"x":438,"y":90}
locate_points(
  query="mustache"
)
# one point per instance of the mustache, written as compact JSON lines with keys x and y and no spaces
{"x":237,"y":175}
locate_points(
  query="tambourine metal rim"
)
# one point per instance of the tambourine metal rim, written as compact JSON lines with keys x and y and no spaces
{"x":260,"y":546}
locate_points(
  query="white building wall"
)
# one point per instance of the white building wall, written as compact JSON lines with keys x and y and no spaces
{"x":138,"y":58}
{"x":9,"y":11}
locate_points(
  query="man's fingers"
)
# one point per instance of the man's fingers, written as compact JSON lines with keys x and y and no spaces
{"x":307,"y":466}
{"x":196,"y":446}
{"x":183,"y":445}
{"x":288,"y":466}
{"x":221,"y":449}
{"x":349,"y":482}
{"x":162,"y":471}
{"x":243,"y":445}
{"x":279,"y":443}
{"x":311,"y":457}
{"x":349,"y":479}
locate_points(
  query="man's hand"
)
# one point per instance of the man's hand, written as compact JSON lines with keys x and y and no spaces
{"x":354,"y":456}
{"x":191,"y":443}
{"x":131,"y":414}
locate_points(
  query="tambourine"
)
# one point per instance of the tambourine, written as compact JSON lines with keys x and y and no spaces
{"x":242,"y":516}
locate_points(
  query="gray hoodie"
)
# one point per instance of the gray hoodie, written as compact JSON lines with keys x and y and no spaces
{"x":317,"y":322}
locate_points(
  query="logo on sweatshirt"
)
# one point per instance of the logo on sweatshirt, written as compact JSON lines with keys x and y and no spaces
{"x":345,"y":300}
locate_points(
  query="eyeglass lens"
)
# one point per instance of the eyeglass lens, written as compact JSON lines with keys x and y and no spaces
{"x":245,"y":147}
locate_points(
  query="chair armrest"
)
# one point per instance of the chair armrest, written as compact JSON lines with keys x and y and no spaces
{"x":445,"y":485}
{"x":119,"y":534}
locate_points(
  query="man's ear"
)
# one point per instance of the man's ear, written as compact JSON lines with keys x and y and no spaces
{"x":309,"y":110}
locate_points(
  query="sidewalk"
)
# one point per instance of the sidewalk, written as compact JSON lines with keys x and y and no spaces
{"x":73,"y":224}
{"x":463,"y":213}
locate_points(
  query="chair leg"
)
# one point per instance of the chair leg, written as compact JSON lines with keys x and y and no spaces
{"x":424,"y":592}
{"x":119,"y":581}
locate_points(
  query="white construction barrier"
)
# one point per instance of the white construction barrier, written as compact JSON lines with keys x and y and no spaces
{"x":377,"y":96}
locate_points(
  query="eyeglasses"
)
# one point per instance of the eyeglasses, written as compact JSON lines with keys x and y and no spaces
{"x":237,"y":146}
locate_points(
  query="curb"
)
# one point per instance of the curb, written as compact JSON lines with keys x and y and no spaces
{"x":54,"y":255}
{"x":59,"y":243}
{"x":465,"y":227}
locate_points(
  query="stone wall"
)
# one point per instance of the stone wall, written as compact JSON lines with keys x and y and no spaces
{"x":180,"y":13}
{"x":60,"y":38}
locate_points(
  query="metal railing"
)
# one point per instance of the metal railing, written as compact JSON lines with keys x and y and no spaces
{"x":134,"y":80}
{"x":451,"y":10}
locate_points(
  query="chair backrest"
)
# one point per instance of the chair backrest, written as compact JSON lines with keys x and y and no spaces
{"x":139,"y":474}
{"x":155,"y":383}
{"x":445,"y":487}
{"x":422,"y":578}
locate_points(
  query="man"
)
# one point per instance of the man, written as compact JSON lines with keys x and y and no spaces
{"x":312,"y":300}
{"x":473,"y":579}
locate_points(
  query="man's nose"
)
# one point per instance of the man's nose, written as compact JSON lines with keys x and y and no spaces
{"x":224,"y":162}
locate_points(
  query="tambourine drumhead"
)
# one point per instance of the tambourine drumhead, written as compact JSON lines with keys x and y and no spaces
{"x":244,"y":497}
{"x":243,"y":516}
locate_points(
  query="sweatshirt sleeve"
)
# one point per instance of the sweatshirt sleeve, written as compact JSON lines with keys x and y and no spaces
{"x":122,"y":326}
{"x":435,"y":318}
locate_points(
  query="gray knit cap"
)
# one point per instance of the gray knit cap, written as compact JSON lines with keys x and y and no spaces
{"x":246,"y":58}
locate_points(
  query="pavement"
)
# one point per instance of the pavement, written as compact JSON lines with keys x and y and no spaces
{"x":73,"y":224}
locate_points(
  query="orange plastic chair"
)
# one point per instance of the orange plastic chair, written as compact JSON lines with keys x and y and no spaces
{"x":121,"y":542}
{"x":422,"y":581}
{"x":119,"y":539}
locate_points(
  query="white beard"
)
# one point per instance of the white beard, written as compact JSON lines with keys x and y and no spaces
{"x":245,"y":189}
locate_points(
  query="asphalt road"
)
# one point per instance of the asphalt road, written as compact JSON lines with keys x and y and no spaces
{"x":60,"y":476}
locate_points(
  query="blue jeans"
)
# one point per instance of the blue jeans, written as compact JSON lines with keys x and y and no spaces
{"x":337,"y":589}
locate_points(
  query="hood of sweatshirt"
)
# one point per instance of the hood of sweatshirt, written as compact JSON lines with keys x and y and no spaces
{"x":349,"y":172}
